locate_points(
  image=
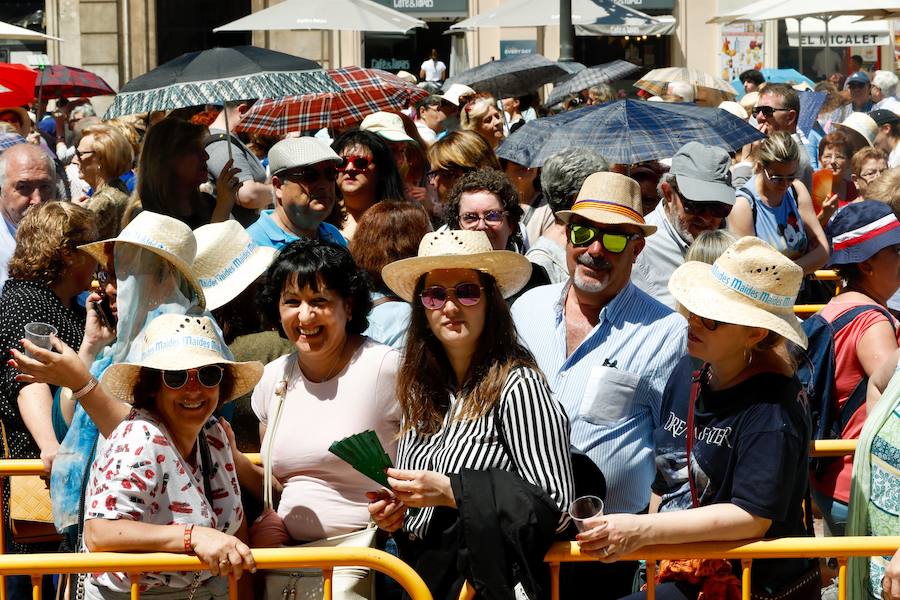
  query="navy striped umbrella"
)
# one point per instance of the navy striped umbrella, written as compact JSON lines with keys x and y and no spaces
{"x":627,"y":132}
{"x":586,"y":78}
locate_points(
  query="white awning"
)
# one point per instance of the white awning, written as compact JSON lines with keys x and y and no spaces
{"x":842,"y":31}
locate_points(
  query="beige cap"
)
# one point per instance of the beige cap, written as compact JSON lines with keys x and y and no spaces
{"x":455,"y":91}
{"x":387,"y":125}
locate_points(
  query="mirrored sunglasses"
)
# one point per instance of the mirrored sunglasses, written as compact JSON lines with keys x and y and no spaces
{"x":466,"y":294}
{"x":209,"y":376}
{"x":357,"y":163}
{"x":585,"y":235}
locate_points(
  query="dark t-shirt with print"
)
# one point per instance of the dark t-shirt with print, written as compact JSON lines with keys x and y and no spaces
{"x":751,"y":449}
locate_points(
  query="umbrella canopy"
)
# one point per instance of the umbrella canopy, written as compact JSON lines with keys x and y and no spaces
{"x":789,"y":76}
{"x":19,"y":83}
{"x":810,"y":105}
{"x":536,"y":13}
{"x":582,"y":80}
{"x":811,"y":8}
{"x":60,"y":80}
{"x":13,"y":32}
{"x":657,"y":81}
{"x":627,"y":132}
{"x":515,"y":76}
{"x":331,"y":15}
{"x":220,"y":75}
{"x":749,"y":9}
{"x":365,"y":91}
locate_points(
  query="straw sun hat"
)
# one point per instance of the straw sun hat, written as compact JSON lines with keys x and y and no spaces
{"x":176,"y":342}
{"x":751,"y":284}
{"x":458,"y":249}
{"x":608,"y":198}
{"x":166,"y":237}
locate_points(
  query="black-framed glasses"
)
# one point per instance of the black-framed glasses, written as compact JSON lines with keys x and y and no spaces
{"x":309,"y":175}
{"x":490,"y":217}
{"x":719,"y":210}
{"x":80,"y":155}
{"x":584,"y":235}
{"x":209,"y":376}
{"x":358,"y":163}
{"x":710,"y":324}
{"x":779,"y":178}
{"x":768,"y":111}
{"x":435,"y":296}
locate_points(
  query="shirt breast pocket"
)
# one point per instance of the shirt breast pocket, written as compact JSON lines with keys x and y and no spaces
{"x":608,"y":396}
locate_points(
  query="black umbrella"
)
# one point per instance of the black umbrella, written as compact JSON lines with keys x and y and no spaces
{"x":511,"y":76}
{"x":585,"y":78}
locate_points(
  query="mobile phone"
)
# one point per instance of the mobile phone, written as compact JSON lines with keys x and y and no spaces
{"x":104,"y":311}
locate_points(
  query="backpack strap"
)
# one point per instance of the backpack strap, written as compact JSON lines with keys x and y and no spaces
{"x":218,"y":137}
{"x":745,"y":192}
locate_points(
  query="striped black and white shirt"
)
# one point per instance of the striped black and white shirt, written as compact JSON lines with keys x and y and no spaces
{"x":535,"y":427}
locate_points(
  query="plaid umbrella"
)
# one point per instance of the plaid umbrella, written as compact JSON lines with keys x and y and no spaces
{"x":59,"y":80}
{"x":364,"y":91}
{"x":585,"y":78}
{"x":18,"y":84}
{"x":657,"y":81}
{"x":515,"y":76}
{"x":220,"y":75}
{"x":627,"y":132}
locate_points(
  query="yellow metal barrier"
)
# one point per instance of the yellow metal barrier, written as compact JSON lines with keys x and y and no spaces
{"x":807,"y":310}
{"x":745,"y":551}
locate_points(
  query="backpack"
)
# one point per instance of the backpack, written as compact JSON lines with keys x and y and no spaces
{"x":816,"y":371}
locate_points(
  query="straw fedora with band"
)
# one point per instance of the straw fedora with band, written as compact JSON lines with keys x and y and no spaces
{"x":166,"y":237}
{"x":175,"y":342}
{"x":862,"y":124}
{"x":228,"y":261}
{"x":609,"y":199}
{"x":458,"y":249}
{"x":751,"y":284}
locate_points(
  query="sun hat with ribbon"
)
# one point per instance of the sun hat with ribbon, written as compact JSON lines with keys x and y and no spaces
{"x":228,"y":261}
{"x":458,"y":249}
{"x":387,"y":125}
{"x":861,"y":229}
{"x":750,"y":284}
{"x":165,"y":236}
{"x":609,"y":199}
{"x":173,"y":342}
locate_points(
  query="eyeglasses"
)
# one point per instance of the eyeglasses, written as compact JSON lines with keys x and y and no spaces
{"x":80,"y":155}
{"x":719,"y":210}
{"x":491,"y":217}
{"x":585,"y":235}
{"x":209,"y":376}
{"x":767,"y":111}
{"x":309,"y":175}
{"x":435,"y":297}
{"x":710,"y":324}
{"x":359,"y":163}
{"x":779,"y":178}
{"x":829,"y":157}
{"x":446,"y":173}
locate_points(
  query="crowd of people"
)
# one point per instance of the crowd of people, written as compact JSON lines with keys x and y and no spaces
{"x":515,"y":338}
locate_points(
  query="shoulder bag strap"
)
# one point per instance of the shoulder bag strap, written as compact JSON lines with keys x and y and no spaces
{"x":205,"y":466}
{"x":751,"y":198}
{"x":501,"y":436}
{"x":697,"y":377}
{"x":280,"y":393}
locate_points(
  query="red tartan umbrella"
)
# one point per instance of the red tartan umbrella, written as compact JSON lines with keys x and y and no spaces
{"x":17,"y":82}
{"x":60,"y":80}
{"x":365,"y":91}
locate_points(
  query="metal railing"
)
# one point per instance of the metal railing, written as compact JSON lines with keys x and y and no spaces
{"x":807,"y":310}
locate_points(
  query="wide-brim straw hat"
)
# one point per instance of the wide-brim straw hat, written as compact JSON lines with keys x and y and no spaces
{"x":175,"y":342}
{"x":458,"y":249}
{"x":166,"y":237}
{"x":609,"y":198}
{"x":228,"y":261}
{"x":750,"y":284}
{"x":862,"y":124}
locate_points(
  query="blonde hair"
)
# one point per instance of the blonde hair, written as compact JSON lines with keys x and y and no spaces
{"x":114,"y":153}
{"x":472,"y":113}
{"x":133,"y":128}
{"x":462,"y":150}
{"x":779,"y":147}
{"x":886,"y":188}
{"x":47,"y":233}
{"x":709,"y":245}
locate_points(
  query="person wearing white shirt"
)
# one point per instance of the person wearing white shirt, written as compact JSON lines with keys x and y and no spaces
{"x":433,"y":69}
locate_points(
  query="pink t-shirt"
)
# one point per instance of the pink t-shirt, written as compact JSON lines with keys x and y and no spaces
{"x":323,"y":496}
{"x":848,"y":373}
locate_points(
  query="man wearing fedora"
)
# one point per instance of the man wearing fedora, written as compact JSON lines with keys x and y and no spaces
{"x":696,"y":197}
{"x":304,"y":172}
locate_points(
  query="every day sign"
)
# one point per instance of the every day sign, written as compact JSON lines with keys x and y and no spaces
{"x":416,"y":8}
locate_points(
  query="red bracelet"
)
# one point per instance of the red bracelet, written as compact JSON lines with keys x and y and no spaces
{"x":188,"y":548}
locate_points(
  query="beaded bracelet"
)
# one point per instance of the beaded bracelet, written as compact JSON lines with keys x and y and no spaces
{"x":188,"y":529}
{"x":85,"y":389}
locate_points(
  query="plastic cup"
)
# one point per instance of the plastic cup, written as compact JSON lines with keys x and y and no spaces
{"x":584,"y":508}
{"x":39,"y":335}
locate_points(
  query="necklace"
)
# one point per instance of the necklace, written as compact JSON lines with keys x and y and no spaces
{"x":337,"y":365}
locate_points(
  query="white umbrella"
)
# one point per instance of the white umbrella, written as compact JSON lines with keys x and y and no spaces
{"x":327,"y":15}
{"x":13,"y":32}
{"x":537,"y":13}
{"x":745,"y":11}
{"x":790,"y":9}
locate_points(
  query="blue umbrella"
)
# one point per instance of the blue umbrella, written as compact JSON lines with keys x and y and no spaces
{"x":627,"y":132}
{"x":810,"y":105}
{"x":790,"y":76}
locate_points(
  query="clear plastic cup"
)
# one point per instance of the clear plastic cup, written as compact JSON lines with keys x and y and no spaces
{"x":584,"y":508}
{"x":39,"y":335}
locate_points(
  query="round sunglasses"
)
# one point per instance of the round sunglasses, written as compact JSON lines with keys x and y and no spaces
{"x":209,"y":376}
{"x":582,"y":236}
{"x":435,"y":296}
{"x":357,"y":163}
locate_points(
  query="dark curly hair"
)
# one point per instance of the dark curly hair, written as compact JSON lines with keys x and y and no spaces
{"x":486,"y":180}
{"x":388,"y":183}
{"x":314,"y":264}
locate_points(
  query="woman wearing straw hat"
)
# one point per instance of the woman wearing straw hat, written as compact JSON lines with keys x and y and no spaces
{"x":165,"y":481}
{"x":746,"y":427}
{"x":472,"y":396}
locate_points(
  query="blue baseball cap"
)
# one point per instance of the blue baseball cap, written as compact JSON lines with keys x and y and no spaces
{"x":858,"y":77}
{"x":861,"y":229}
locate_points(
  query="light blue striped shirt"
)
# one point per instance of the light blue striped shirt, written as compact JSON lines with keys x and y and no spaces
{"x":611,"y":386}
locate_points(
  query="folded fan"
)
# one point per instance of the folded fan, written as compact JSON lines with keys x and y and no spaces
{"x":364,"y":452}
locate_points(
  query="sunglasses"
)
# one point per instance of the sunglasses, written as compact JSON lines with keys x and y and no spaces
{"x":718,"y":210}
{"x":492,"y":217}
{"x":710,"y":324}
{"x":209,"y":376}
{"x":585,"y":235}
{"x":80,"y":155}
{"x":779,"y":178}
{"x":446,"y":173}
{"x":309,"y":175}
{"x":358,"y":163}
{"x":466,"y":294}
{"x":768,"y":111}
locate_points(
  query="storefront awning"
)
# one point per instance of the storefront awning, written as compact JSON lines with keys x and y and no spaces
{"x":606,"y":14}
{"x":842,"y":32}
{"x":665,"y":25}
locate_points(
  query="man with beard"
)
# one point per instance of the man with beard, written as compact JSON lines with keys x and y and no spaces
{"x":696,"y":196}
{"x":606,"y":348}
{"x":304,"y":172}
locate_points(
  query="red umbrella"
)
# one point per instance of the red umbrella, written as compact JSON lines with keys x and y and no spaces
{"x":365,"y":91}
{"x":18,"y":84}
{"x":60,"y":80}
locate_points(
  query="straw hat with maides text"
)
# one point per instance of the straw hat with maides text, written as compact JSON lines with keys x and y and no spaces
{"x":228,"y":261}
{"x":458,"y":249}
{"x":609,"y":199}
{"x":175,"y":342}
{"x":751,"y":284}
{"x":166,"y":237}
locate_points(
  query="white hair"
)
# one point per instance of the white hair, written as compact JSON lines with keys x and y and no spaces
{"x":683,"y":89}
{"x":886,"y":81}
{"x":31,"y":149}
